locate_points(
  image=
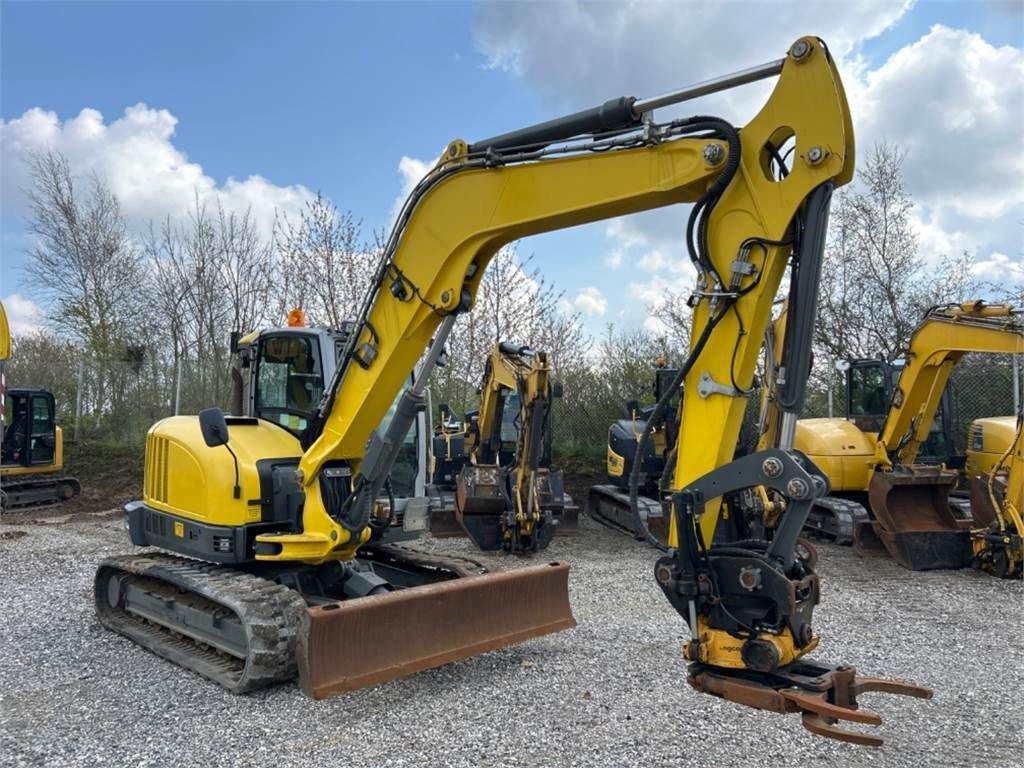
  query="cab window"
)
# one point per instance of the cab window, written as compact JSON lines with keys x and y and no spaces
{"x":867,"y":391}
{"x":289,"y":380}
{"x":406,"y":466}
{"x":510,"y":419}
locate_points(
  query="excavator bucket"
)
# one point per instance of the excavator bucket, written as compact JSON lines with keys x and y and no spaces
{"x":914,"y":521}
{"x":982,"y":508}
{"x":358,"y":643}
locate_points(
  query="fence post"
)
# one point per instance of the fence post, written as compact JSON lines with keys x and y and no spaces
{"x":177,"y":387}
{"x":78,"y":396}
{"x":831,"y":381}
{"x":1016,"y":383}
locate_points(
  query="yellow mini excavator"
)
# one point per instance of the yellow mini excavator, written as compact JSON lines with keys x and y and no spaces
{"x":270,"y":533}
{"x":890,"y":451}
{"x":31,"y":443}
{"x":502,"y":499}
{"x":997,"y":505}
{"x":609,"y":504}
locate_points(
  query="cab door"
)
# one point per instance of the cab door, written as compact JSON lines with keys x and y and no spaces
{"x":42,"y":432}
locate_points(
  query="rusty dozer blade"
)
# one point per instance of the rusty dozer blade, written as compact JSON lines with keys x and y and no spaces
{"x":362,"y":642}
{"x":914,"y":521}
{"x":823,"y":695}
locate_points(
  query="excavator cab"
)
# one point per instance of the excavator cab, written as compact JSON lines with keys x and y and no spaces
{"x":32,"y":451}
{"x":870,"y":384}
{"x":609,"y":504}
{"x":281,"y":377}
{"x":30,"y":430}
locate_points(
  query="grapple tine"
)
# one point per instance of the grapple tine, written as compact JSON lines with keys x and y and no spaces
{"x":819,"y":726}
{"x":897,"y":687}
{"x":357,"y":643}
{"x":824,"y":695}
{"x":816,"y":704}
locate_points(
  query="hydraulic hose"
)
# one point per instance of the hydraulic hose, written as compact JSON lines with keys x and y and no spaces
{"x":656,"y":416}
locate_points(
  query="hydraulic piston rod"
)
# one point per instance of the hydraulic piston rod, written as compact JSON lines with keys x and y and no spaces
{"x":623,"y":112}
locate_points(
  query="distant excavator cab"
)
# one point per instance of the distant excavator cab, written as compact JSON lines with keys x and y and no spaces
{"x":32,"y":452}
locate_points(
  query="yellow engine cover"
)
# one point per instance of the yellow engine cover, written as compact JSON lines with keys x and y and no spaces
{"x":839,"y":449}
{"x":187,"y":478}
{"x":987,"y":441}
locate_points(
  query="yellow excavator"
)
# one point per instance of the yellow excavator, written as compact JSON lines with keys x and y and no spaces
{"x":500,"y":500}
{"x":31,"y":443}
{"x":875,"y":455}
{"x":609,"y":504}
{"x":249,"y":600}
{"x":997,"y":505}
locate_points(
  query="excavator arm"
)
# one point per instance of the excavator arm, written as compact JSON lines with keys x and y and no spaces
{"x":506,"y":366}
{"x":479,"y":197}
{"x":501,"y":506}
{"x":504,"y":506}
{"x":748,"y":605}
{"x":938,"y":344}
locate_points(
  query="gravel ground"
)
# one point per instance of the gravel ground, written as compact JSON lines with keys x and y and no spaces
{"x":610,"y":693}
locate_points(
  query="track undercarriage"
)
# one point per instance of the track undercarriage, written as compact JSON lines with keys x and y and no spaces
{"x":338,"y":626}
{"x":23,"y":492}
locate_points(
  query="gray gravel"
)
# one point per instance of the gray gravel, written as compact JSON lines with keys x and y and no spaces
{"x":611,"y":692}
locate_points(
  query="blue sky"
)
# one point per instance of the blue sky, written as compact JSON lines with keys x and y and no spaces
{"x":332,"y":96}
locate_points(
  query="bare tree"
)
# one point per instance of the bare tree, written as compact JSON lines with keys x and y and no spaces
{"x":88,"y":274}
{"x":210,"y":276}
{"x":83,"y":264}
{"x":325,"y":265}
{"x":514,"y":303}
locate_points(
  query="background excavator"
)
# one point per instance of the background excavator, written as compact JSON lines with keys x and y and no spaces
{"x":997,"y":504}
{"x":503,"y":499}
{"x":609,"y":503}
{"x":887,"y":461}
{"x":31,"y":443}
{"x":294,"y":519}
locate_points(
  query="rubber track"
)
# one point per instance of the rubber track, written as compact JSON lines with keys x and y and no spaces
{"x":622,"y":499}
{"x":460,"y":566}
{"x":15,"y":488}
{"x":845,"y":516}
{"x":269,"y":612}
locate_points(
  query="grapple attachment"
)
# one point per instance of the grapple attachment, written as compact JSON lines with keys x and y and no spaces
{"x":357,"y":643}
{"x":913,"y":519}
{"x":823,"y":695}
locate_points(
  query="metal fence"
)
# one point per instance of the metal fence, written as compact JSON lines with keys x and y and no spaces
{"x":980,"y":386}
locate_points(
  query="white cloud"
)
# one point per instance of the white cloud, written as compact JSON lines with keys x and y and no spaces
{"x":590,"y":301}
{"x":950,"y":100}
{"x":954,"y":104}
{"x":614,"y":259}
{"x":136,"y":156}
{"x":652,"y":47}
{"x":411,"y":170}
{"x":23,"y":314}
{"x":1001,"y":269}
{"x":656,"y":326}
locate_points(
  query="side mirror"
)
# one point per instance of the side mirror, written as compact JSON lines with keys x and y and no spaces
{"x":557,"y":390}
{"x":213,"y":426}
{"x":632,"y":407}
